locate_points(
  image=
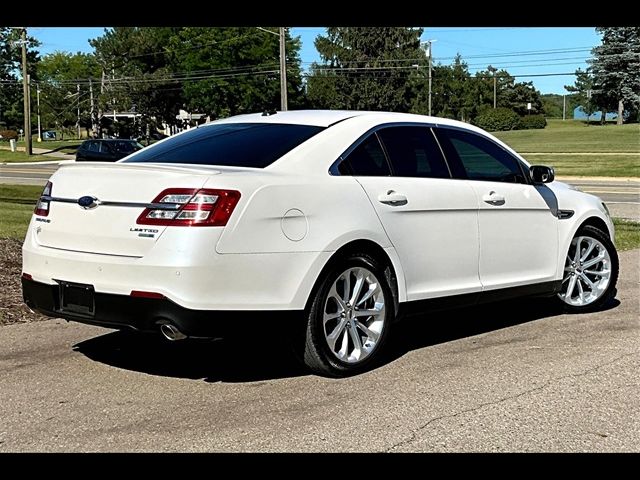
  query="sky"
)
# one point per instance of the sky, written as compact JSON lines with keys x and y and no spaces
{"x":520,"y":50}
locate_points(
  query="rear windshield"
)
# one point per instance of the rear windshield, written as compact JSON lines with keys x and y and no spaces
{"x":254,"y":145}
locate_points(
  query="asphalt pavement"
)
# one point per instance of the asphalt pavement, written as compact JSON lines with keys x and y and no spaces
{"x":515,"y":376}
{"x":622,"y":196}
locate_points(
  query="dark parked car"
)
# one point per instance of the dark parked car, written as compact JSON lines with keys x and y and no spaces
{"x":107,"y":150}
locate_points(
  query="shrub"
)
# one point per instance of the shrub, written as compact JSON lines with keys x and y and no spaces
{"x":7,"y":135}
{"x":532,"y":121}
{"x":498,"y":119}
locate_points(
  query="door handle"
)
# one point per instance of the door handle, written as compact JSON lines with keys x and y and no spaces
{"x":392,"y":198}
{"x":493,"y":198}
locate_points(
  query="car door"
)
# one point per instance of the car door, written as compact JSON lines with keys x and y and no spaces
{"x":91,"y":151}
{"x":107,"y":152}
{"x":518,"y":231}
{"x":430,"y":219}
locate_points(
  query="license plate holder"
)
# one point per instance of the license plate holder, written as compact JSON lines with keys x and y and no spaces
{"x":77,"y":298}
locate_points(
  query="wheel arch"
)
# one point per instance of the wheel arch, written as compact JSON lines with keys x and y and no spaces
{"x":568,"y":232}
{"x":596,"y":222}
{"x":393,"y":270}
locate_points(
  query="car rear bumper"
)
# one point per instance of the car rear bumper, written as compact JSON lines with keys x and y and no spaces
{"x":187,"y":271}
{"x":147,"y":314}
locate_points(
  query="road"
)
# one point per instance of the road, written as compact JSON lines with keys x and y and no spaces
{"x":623,"y":197}
{"x":515,"y":376}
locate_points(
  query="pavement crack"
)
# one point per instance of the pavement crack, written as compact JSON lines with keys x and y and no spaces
{"x":414,"y":433}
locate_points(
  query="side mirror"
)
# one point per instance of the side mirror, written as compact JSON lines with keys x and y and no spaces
{"x":542,"y":174}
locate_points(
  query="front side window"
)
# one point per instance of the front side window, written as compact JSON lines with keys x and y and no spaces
{"x":366,"y":160}
{"x":255,"y":145}
{"x":92,"y":147}
{"x":413,"y":152}
{"x":480,"y":159}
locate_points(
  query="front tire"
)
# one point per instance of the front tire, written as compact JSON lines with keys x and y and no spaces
{"x":349,"y":319}
{"x":590,"y":271}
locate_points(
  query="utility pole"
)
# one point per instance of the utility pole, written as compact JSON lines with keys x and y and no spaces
{"x":283,"y":66}
{"x":430,"y":67}
{"x":28,"y":147}
{"x":283,"y":71}
{"x":78,"y":117}
{"x":93,"y":112}
{"x":495,"y":89}
{"x":564,"y":107}
{"x":38,"y":102}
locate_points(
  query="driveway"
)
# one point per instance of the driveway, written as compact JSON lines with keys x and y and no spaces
{"x":514,"y":376}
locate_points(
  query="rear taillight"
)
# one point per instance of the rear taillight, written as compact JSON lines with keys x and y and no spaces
{"x":190,"y":207}
{"x":42,"y":207}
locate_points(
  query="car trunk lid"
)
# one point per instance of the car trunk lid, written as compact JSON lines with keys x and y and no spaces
{"x":120,"y":191}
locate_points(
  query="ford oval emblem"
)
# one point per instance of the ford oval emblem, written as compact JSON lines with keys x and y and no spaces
{"x":88,"y":202}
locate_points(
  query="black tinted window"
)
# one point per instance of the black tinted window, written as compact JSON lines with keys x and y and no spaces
{"x":366,"y":160}
{"x":234,"y":144}
{"x":94,"y":147}
{"x":126,"y":147}
{"x":413,"y":152}
{"x":480,"y":158}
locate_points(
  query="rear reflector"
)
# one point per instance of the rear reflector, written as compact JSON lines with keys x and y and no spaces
{"x":143,"y":294}
{"x":42,"y":207}
{"x":190,"y":207}
{"x":26,"y":276}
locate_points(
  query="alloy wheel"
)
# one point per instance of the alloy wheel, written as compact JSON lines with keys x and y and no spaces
{"x":354,"y":315}
{"x":587,"y":272}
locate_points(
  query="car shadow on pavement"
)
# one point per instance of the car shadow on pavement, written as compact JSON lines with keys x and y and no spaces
{"x":227,"y":360}
{"x":434,"y":328}
{"x":261,"y":358}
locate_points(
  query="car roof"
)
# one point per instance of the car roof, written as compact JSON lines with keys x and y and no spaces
{"x":110,"y":140}
{"x":326,"y":118}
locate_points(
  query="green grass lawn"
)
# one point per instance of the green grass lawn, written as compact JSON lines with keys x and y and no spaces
{"x":576,"y":137}
{"x":619,"y":165}
{"x":54,"y":144}
{"x":7,"y":156}
{"x":627,"y":234}
{"x":573,"y":136}
{"x":14,"y":219}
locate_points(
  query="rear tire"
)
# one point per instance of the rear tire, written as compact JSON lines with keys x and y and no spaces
{"x":349,"y":319}
{"x":590,"y":272}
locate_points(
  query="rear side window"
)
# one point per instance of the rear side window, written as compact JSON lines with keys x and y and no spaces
{"x":366,"y":160}
{"x":413,"y":152}
{"x":254,"y":145}
{"x":480,"y":158}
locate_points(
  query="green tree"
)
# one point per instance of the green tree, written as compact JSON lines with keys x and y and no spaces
{"x":59,"y":75}
{"x":11,"y":94}
{"x":616,"y":69}
{"x":234,"y":70}
{"x":517,"y":95}
{"x":582,"y":93}
{"x":452,"y":95}
{"x":368,"y":68}
{"x":137,"y":73}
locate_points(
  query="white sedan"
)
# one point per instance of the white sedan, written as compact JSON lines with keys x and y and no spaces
{"x":336,"y":222}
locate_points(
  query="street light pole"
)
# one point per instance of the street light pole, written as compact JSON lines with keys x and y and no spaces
{"x":28,"y":147}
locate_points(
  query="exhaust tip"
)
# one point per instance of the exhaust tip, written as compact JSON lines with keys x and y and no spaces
{"x":171,"y":332}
